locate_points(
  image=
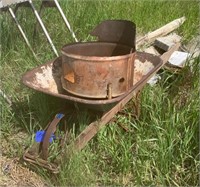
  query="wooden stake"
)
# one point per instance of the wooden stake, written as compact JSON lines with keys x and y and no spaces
{"x":166,"y":29}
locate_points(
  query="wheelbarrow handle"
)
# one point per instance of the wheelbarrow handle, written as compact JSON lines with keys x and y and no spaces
{"x":49,"y":131}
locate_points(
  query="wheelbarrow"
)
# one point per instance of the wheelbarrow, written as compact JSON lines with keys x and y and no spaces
{"x":48,"y":79}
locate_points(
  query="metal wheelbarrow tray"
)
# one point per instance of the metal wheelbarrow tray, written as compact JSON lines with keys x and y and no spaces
{"x":47,"y":79}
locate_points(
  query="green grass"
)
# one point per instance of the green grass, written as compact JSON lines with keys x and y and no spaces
{"x":160,"y":148}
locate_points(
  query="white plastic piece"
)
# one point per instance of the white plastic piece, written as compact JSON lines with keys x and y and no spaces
{"x":179,"y":58}
{"x":153,"y":80}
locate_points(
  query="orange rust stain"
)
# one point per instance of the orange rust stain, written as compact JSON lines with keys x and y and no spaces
{"x":70,"y":77}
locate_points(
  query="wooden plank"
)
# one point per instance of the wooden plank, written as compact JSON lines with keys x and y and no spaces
{"x":166,"y":29}
{"x":165,"y":43}
{"x":165,"y":57}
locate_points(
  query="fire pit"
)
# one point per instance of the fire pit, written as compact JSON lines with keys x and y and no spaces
{"x":104,"y":68}
{"x":97,"y":69}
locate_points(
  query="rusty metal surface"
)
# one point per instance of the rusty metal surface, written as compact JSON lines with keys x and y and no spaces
{"x":117,"y":31}
{"x":90,"y":68}
{"x":102,"y":69}
{"x":47,"y":79}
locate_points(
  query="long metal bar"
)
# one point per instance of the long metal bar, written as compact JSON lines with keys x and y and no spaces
{"x":21,"y":31}
{"x":65,"y":20}
{"x":43,"y":27}
{"x":36,"y":24}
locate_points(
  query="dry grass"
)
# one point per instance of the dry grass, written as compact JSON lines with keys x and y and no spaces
{"x":12,"y":173}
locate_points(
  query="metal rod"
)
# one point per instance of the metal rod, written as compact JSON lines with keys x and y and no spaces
{"x":36,"y":24}
{"x":21,"y":31}
{"x":109,"y":91}
{"x":43,"y":27}
{"x":65,"y":20}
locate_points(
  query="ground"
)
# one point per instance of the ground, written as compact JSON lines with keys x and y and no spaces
{"x":12,"y":173}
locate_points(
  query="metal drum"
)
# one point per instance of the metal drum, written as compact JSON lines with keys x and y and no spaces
{"x":97,"y":69}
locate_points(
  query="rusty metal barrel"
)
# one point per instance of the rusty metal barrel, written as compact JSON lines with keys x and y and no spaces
{"x":97,"y":69}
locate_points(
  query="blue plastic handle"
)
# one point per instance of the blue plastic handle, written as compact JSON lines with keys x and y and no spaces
{"x":39,"y":136}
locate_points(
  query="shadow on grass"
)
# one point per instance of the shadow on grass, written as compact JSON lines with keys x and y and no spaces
{"x":38,"y":109}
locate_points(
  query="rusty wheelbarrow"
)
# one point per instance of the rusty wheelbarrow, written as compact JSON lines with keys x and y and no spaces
{"x":146,"y":65}
{"x":49,"y":79}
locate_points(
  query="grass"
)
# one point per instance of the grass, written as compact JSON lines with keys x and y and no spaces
{"x":160,"y":148}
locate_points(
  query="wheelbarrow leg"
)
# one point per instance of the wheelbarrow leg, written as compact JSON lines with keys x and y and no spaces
{"x":137,"y":104}
{"x":136,"y":107}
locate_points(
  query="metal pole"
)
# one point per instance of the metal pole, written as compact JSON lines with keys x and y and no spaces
{"x":43,"y":27}
{"x":21,"y":31}
{"x":65,"y":20}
